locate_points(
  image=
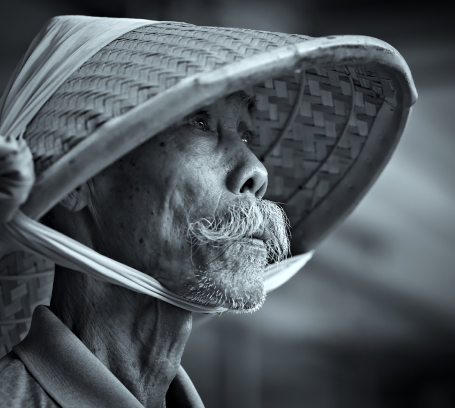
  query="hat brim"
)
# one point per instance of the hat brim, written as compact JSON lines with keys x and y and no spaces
{"x":108,"y":143}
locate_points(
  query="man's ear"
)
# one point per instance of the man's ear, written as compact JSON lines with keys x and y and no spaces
{"x":77,"y":199}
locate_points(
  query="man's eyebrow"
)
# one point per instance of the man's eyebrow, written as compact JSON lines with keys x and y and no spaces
{"x":250,"y":101}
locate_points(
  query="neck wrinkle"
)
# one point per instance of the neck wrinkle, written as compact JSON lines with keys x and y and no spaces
{"x":138,"y":338}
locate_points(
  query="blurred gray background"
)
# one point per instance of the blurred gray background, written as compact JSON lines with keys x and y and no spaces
{"x":370,"y":321}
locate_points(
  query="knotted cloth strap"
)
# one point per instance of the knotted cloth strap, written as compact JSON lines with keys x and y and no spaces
{"x":61,"y":47}
{"x":16,"y":176}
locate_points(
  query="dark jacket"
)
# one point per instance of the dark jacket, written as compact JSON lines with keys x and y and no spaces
{"x":51,"y":367}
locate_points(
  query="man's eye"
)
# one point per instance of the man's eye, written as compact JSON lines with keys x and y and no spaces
{"x":201,"y":121}
{"x":248,"y":136}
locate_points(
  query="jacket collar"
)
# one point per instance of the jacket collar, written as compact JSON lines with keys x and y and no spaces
{"x":73,"y":376}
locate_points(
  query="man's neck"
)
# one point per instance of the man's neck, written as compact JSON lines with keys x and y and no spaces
{"x":138,"y":338}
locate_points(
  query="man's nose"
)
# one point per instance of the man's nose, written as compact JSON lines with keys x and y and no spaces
{"x":248,"y":176}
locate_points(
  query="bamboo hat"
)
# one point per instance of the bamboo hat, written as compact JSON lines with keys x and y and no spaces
{"x":330,"y":112}
{"x":89,"y":90}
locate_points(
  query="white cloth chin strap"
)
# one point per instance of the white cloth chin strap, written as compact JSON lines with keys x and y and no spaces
{"x":31,"y":236}
{"x":61,"y":47}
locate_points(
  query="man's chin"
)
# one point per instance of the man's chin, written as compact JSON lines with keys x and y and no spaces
{"x":241,"y":291}
{"x":240,"y":306}
{"x":233,"y":278}
{"x":244,"y":300}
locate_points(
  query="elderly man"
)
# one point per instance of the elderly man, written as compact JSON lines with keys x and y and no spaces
{"x":185,"y":207}
{"x":198,"y":172}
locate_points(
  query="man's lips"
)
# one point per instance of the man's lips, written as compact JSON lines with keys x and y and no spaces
{"x":263,"y":236}
{"x":256,"y":244}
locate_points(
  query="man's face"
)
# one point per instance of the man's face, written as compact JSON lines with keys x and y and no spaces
{"x":184,"y":208}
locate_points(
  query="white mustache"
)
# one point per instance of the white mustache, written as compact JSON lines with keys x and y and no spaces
{"x":243,"y":219}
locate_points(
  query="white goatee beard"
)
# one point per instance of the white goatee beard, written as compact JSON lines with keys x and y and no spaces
{"x":233,"y":276}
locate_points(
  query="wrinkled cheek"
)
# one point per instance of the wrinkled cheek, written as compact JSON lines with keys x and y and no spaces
{"x":172,"y":265}
{"x":172,"y":262}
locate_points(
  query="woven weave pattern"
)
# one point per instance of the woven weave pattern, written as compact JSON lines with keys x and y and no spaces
{"x":131,"y":70}
{"x":26,"y":281}
{"x":324,"y":140}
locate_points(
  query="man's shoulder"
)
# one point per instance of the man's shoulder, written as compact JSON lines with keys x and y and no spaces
{"x":18,"y":388}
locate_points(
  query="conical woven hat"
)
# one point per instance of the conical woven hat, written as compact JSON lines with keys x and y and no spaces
{"x":330,"y":112}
